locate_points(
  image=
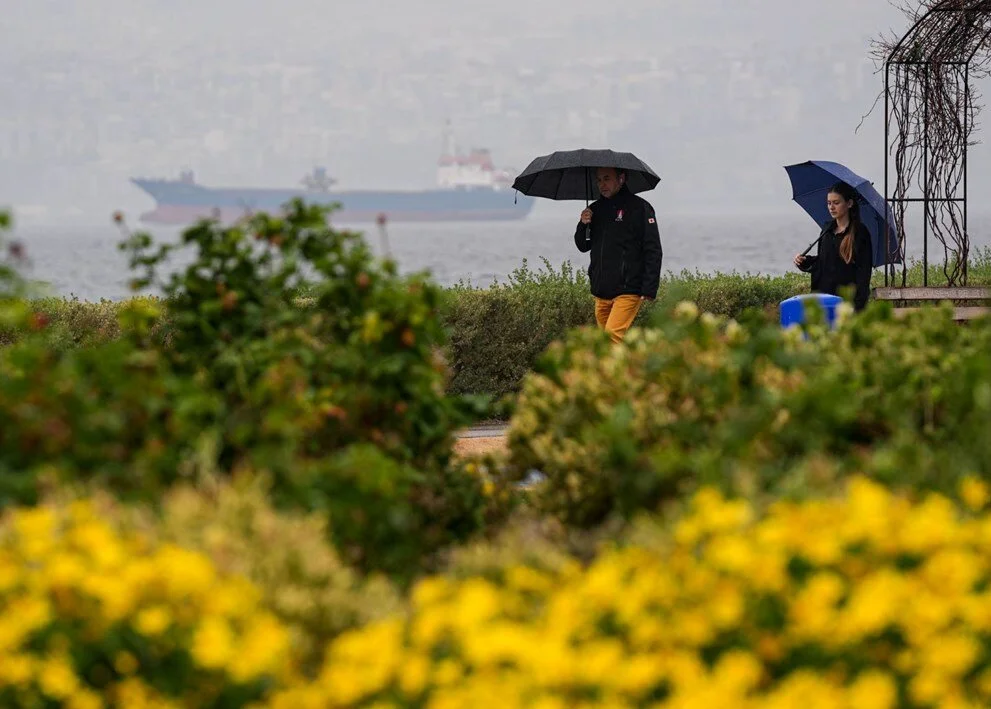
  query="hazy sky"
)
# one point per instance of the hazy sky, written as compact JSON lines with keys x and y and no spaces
{"x":96,"y":91}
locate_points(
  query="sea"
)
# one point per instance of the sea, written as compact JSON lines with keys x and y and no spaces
{"x":84,"y":261}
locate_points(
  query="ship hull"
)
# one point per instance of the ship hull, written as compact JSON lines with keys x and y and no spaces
{"x":183,"y":203}
{"x":178,"y":215}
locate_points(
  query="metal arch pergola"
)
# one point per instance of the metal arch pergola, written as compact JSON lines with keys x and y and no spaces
{"x":928,"y":96}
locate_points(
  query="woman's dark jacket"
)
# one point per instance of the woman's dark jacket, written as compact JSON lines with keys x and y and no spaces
{"x":830,"y":272}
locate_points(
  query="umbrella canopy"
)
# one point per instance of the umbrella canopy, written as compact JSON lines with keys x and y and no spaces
{"x":570,"y":174}
{"x":810,"y":183}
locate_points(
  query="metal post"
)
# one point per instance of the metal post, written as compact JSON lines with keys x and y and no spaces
{"x":906,"y":105}
{"x":887,"y":159}
{"x":966,"y":144}
{"x":925,"y":180}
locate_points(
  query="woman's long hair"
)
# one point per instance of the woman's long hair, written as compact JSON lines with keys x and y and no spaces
{"x":849,"y":195}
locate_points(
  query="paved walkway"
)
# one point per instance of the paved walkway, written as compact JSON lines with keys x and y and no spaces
{"x":487,"y":430}
{"x":488,"y":437}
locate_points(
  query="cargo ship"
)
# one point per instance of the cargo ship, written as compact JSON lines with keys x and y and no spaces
{"x":469,"y":188}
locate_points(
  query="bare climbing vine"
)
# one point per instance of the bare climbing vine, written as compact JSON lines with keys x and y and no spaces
{"x":933,"y":108}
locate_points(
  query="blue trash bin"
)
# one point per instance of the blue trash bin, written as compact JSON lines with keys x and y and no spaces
{"x":793,"y":310}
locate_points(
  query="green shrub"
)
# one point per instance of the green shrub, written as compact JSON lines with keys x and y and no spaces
{"x":340,"y":395}
{"x":701,"y":399}
{"x":732,"y":294}
{"x":13,"y":289}
{"x":906,"y":399}
{"x":620,"y":428}
{"x":385,"y":514}
{"x":105,"y":414}
{"x":70,"y":322}
{"x":497,"y":333}
{"x":356,"y":362}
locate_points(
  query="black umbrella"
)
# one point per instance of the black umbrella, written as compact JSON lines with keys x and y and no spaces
{"x":569,"y":174}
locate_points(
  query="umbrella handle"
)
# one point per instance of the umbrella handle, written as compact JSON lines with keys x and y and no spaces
{"x":806,"y":252}
{"x":588,"y":184}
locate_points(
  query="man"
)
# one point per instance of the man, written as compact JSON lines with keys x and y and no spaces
{"x":625,"y":268}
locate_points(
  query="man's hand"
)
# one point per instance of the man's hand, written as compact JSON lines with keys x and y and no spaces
{"x":799,"y":260}
{"x":587,"y":216}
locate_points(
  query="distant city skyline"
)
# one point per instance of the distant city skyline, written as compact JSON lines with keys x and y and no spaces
{"x":715,"y":97}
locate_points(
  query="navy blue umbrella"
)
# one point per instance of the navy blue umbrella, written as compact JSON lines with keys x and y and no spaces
{"x":810,"y":183}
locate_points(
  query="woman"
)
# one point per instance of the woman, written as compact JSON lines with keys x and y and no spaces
{"x":845,"y":257}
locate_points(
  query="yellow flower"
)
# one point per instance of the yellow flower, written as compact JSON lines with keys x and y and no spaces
{"x":213,"y":643}
{"x":65,"y":569}
{"x":262,"y":650}
{"x":929,"y":687}
{"x":117,"y":598}
{"x":430,"y":590}
{"x":874,"y":604}
{"x":929,"y":526}
{"x":951,"y":655}
{"x":873,"y":690}
{"x":429,"y":627}
{"x":448,"y":672}
{"x":10,"y":572}
{"x":805,"y":690}
{"x":234,"y":598}
{"x":413,"y":675}
{"x":186,"y":573}
{"x":524,"y":578}
{"x":731,"y":553}
{"x":476,"y":601}
{"x":975,"y":610}
{"x":953,"y":572}
{"x":153,"y":621}
{"x":813,"y":612}
{"x":686,"y":310}
{"x":638,"y":674}
{"x":98,"y":542}
{"x":867,"y":515}
{"x":739,"y":672}
{"x":84,"y":699}
{"x":15,"y":669}
{"x":86,"y":575}
{"x":35,"y":528}
{"x":23,"y":616}
{"x":726,"y":605}
{"x":135,"y":694}
{"x":974,"y":492}
{"x":57,"y":678}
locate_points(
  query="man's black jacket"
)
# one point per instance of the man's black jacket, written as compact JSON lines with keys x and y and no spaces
{"x":625,"y":246}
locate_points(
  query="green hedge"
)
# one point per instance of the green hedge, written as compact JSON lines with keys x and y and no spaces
{"x":497,"y":332}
